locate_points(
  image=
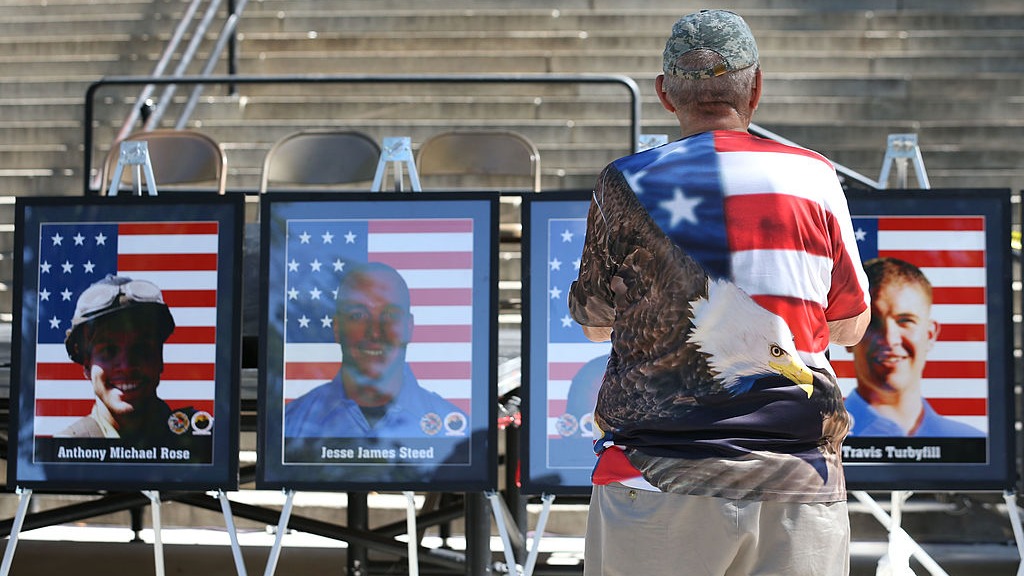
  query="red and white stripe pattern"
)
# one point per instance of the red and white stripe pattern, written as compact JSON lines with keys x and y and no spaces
{"x":180,"y":258}
{"x":565,"y":361}
{"x":433,"y":255}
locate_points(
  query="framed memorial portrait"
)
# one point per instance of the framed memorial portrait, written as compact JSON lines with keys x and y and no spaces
{"x":930,"y":386}
{"x":126,"y":343}
{"x":379,"y":342}
{"x":562,"y":368}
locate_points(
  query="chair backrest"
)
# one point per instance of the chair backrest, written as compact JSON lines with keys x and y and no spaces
{"x":499,"y":156}
{"x":320,"y":157}
{"x":178,"y":157}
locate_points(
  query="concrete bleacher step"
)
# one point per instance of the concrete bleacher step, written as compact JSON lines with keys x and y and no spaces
{"x":70,"y":23}
{"x":45,"y":47}
{"x":652,"y":41}
{"x":611,"y":61}
{"x":56,"y":86}
{"x":801,"y":41}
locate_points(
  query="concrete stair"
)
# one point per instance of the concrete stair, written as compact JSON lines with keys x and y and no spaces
{"x":838,"y":78}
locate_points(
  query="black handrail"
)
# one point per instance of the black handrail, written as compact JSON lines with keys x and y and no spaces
{"x":625,"y":81}
{"x":848,"y":174}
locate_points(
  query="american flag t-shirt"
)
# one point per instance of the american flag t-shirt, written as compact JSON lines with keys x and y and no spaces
{"x":180,"y":258}
{"x":435,"y":258}
{"x":950,"y":251}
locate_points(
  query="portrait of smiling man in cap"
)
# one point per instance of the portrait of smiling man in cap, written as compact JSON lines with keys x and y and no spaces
{"x":117,"y":335}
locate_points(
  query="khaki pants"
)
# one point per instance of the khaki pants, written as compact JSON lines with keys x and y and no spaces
{"x":641,"y":533}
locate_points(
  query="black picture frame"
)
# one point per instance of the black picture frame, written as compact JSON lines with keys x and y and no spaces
{"x":190,"y":247}
{"x":562,"y":369}
{"x":960,"y":239}
{"x":444,"y":246}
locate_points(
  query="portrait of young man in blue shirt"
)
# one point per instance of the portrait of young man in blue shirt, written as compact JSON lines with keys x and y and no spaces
{"x":374,"y":394}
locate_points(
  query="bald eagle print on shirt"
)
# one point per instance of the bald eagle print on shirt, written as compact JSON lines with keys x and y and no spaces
{"x":701,"y":371}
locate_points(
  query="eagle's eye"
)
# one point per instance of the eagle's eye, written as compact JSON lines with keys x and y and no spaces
{"x":776,"y":351}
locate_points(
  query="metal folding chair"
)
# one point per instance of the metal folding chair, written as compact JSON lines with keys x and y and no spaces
{"x":489,"y":159}
{"x":318,"y":158}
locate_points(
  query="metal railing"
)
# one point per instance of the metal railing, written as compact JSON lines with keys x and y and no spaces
{"x":225,"y":38}
{"x":633,"y":92}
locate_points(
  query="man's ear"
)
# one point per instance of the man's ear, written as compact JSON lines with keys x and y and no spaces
{"x":755,"y":93}
{"x":659,"y":87}
{"x":933,"y":332}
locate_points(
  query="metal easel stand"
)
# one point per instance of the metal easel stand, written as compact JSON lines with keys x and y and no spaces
{"x":158,"y":546}
{"x":902,"y":149}
{"x":24,"y":496}
{"x":896,"y":562}
{"x":647,"y":141}
{"x":410,"y":527}
{"x":902,"y":546}
{"x":134,"y":153}
{"x":282,"y":527}
{"x":531,"y":560}
{"x":1010,"y":497}
{"x":511,"y":566}
{"x":396,"y":150}
{"x":229,"y":522}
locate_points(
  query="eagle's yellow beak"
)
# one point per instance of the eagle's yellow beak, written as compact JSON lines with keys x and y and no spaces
{"x":796,"y":371}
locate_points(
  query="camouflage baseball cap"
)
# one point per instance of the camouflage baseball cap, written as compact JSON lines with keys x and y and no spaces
{"x":720,"y":31}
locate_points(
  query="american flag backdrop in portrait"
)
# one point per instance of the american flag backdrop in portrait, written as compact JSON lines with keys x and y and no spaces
{"x":178,"y":257}
{"x":433,"y":255}
{"x":950,"y":251}
{"x":568,"y":348}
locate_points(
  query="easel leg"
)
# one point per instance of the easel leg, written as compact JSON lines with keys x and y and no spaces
{"x":158,"y":546}
{"x":499,"y":519}
{"x":24,"y":495}
{"x":896,"y":531}
{"x":897,"y":561}
{"x":229,"y":522}
{"x":1018,"y":533}
{"x":410,"y":526}
{"x":531,"y":561}
{"x":282,"y":526}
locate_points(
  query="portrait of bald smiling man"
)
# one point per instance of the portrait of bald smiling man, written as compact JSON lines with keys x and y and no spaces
{"x":374,"y":393}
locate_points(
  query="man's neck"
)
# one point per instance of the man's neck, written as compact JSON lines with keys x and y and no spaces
{"x":698,"y":121}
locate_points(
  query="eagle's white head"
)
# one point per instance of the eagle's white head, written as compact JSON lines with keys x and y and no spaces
{"x":744,"y":341}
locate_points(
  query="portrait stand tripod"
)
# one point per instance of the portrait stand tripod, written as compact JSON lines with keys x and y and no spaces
{"x":902,"y":150}
{"x":133,"y":154}
{"x":396,"y":151}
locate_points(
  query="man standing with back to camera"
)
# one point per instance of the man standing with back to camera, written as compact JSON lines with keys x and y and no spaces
{"x":738,"y":479}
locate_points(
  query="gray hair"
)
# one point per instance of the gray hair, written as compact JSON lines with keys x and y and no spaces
{"x":731,"y":89}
